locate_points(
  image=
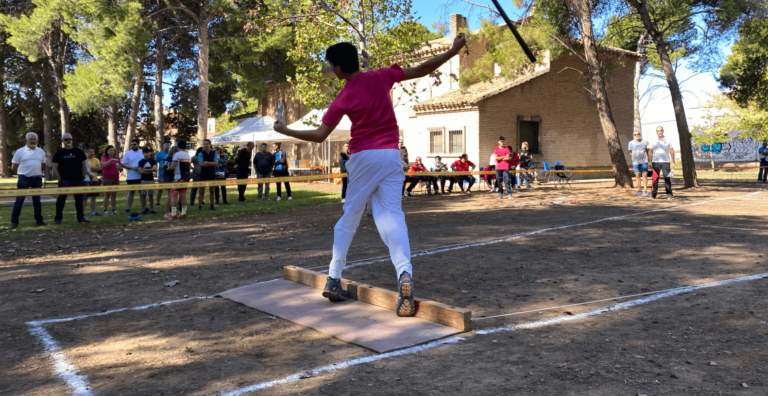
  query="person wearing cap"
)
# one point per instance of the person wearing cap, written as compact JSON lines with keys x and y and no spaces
{"x":147,"y":168}
{"x":69,"y":165}
{"x":29,"y":164}
{"x":131,"y":162}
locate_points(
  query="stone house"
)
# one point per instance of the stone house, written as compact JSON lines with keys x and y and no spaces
{"x":548,"y":106}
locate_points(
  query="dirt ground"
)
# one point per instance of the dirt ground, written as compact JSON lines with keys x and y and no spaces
{"x":706,"y":342}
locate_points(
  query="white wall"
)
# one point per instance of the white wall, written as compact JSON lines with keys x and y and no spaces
{"x":417,"y":139}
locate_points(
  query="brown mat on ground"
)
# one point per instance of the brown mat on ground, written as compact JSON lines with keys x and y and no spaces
{"x":369,"y":326}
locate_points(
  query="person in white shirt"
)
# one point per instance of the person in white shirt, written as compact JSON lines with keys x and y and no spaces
{"x":29,"y":163}
{"x":663,"y":160}
{"x":131,"y":163}
{"x":639,"y":149}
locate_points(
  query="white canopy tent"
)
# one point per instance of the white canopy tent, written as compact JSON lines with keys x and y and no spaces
{"x":342,"y":133}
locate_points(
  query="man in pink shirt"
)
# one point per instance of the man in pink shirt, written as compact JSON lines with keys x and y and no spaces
{"x":374,"y":164}
{"x":503,"y":161}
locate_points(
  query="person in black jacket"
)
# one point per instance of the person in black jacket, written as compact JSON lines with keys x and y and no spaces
{"x":264,"y":161}
{"x":281,"y":169}
{"x":243,"y":161}
{"x":343,"y":158}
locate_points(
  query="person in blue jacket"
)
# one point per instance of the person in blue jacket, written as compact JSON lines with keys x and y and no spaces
{"x":281,"y":169}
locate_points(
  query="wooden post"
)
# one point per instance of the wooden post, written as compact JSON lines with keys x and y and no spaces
{"x":456,"y":317}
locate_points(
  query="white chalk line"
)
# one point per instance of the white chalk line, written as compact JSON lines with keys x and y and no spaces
{"x":624,"y":305}
{"x":339,"y":366}
{"x":64,"y":370}
{"x":518,"y":236}
{"x":695,"y":225}
{"x":68,"y":373}
{"x":452,"y":340}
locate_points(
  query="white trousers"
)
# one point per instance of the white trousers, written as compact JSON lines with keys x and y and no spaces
{"x":378,"y":175}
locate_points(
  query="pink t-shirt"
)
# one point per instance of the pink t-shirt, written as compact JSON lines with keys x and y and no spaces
{"x":501,"y":152}
{"x":110,"y":171}
{"x":366,"y":101}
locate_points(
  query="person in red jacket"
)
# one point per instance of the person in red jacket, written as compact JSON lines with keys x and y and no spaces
{"x":514,"y":161}
{"x":464,"y":165}
{"x":417,"y":167}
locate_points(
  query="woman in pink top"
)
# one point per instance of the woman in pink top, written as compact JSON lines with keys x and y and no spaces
{"x":110,"y":175}
{"x":374,"y":165}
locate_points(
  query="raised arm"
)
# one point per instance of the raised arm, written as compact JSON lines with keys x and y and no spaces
{"x":431,"y":65}
{"x":317,"y":135}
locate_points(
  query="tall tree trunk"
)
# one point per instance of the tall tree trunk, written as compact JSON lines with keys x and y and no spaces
{"x":639,"y":68}
{"x":112,"y":126}
{"x":203,"y":45}
{"x":57,"y":57}
{"x":45,"y":101}
{"x":5,"y":166}
{"x":159,"y":66}
{"x":362,"y":41}
{"x":686,"y":151}
{"x":618,"y":161}
{"x":135,"y":104}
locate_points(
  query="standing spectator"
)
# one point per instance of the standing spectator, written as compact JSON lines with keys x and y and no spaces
{"x":180,"y":166}
{"x":111,"y":168}
{"x":343,"y":158}
{"x":491,"y":180}
{"x":29,"y":164}
{"x":160,"y":159}
{"x":525,"y":164}
{"x":168,"y":177}
{"x":762,"y":174}
{"x":503,"y":160}
{"x":69,"y":166}
{"x":663,"y":160}
{"x":131,"y":163}
{"x":147,"y":168}
{"x":243,"y":161}
{"x":639,"y":150}
{"x":514,"y":161}
{"x":208,"y":160}
{"x":417,"y":167}
{"x":88,"y":174}
{"x":281,"y":169}
{"x":406,"y":165}
{"x":264,"y":161}
{"x":464,"y":165}
{"x":221,"y":175}
{"x":196,"y":169}
{"x":94,"y":166}
{"x":439,"y":166}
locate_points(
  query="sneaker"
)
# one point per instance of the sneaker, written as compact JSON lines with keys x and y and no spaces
{"x":157,"y":205}
{"x":278,"y":199}
{"x":94,"y":214}
{"x":290,"y":198}
{"x":408,"y":194}
{"x":334,"y":292}
{"x":213,"y":209}
{"x":127,"y":212}
{"x":267,"y":199}
{"x":645,"y":194}
{"x":639,"y":193}
{"x":199,"y":209}
{"x":106,"y":213}
{"x":152,"y":212}
{"x":669,"y":196}
{"x":83,"y":220}
{"x":181,"y":216}
{"x":57,"y":221}
{"x":343,"y":200}
{"x":429,"y":193}
{"x":114,"y":212}
{"x":510,"y":196}
{"x":241,"y":200}
{"x":145,"y":211}
{"x":169,"y":216}
{"x":405,"y":304}
{"x":500,"y":196}
{"x":42,"y":223}
{"x":226,"y":203}
{"x":437,"y":192}
{"x":14,"y":226}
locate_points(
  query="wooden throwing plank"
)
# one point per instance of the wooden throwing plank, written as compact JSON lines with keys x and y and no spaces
{"x":459,"y":318}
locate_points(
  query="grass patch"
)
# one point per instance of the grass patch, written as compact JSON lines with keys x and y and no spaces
{"x":301,"y":197}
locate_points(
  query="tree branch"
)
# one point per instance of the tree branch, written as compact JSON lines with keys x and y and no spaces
{"x":327,"y":8}
{"x":568,"y":47}
{"x":188,"y":11}
{"x":662,"y":31}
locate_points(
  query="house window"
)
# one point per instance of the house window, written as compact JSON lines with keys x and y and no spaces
{"x":456,"y":141}
{"x":528,"y":131}
{"x":436,"y":145}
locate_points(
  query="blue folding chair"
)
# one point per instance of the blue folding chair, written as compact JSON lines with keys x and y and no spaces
{"x":547,"y":168}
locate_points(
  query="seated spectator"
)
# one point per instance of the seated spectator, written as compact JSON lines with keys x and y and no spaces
{"x":513,"y":163}
{"x":417,"y":167}
{"x":491,"y":179}
{"x":439,"y":166}
{"x":464,"y":165}
{"x":525,"y":164}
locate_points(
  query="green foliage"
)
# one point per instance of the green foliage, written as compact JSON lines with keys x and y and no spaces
{"x":388,"y":31}
{"x":750,"y":121}
{"x":746,"y":72}
{"x":502,"y":50}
